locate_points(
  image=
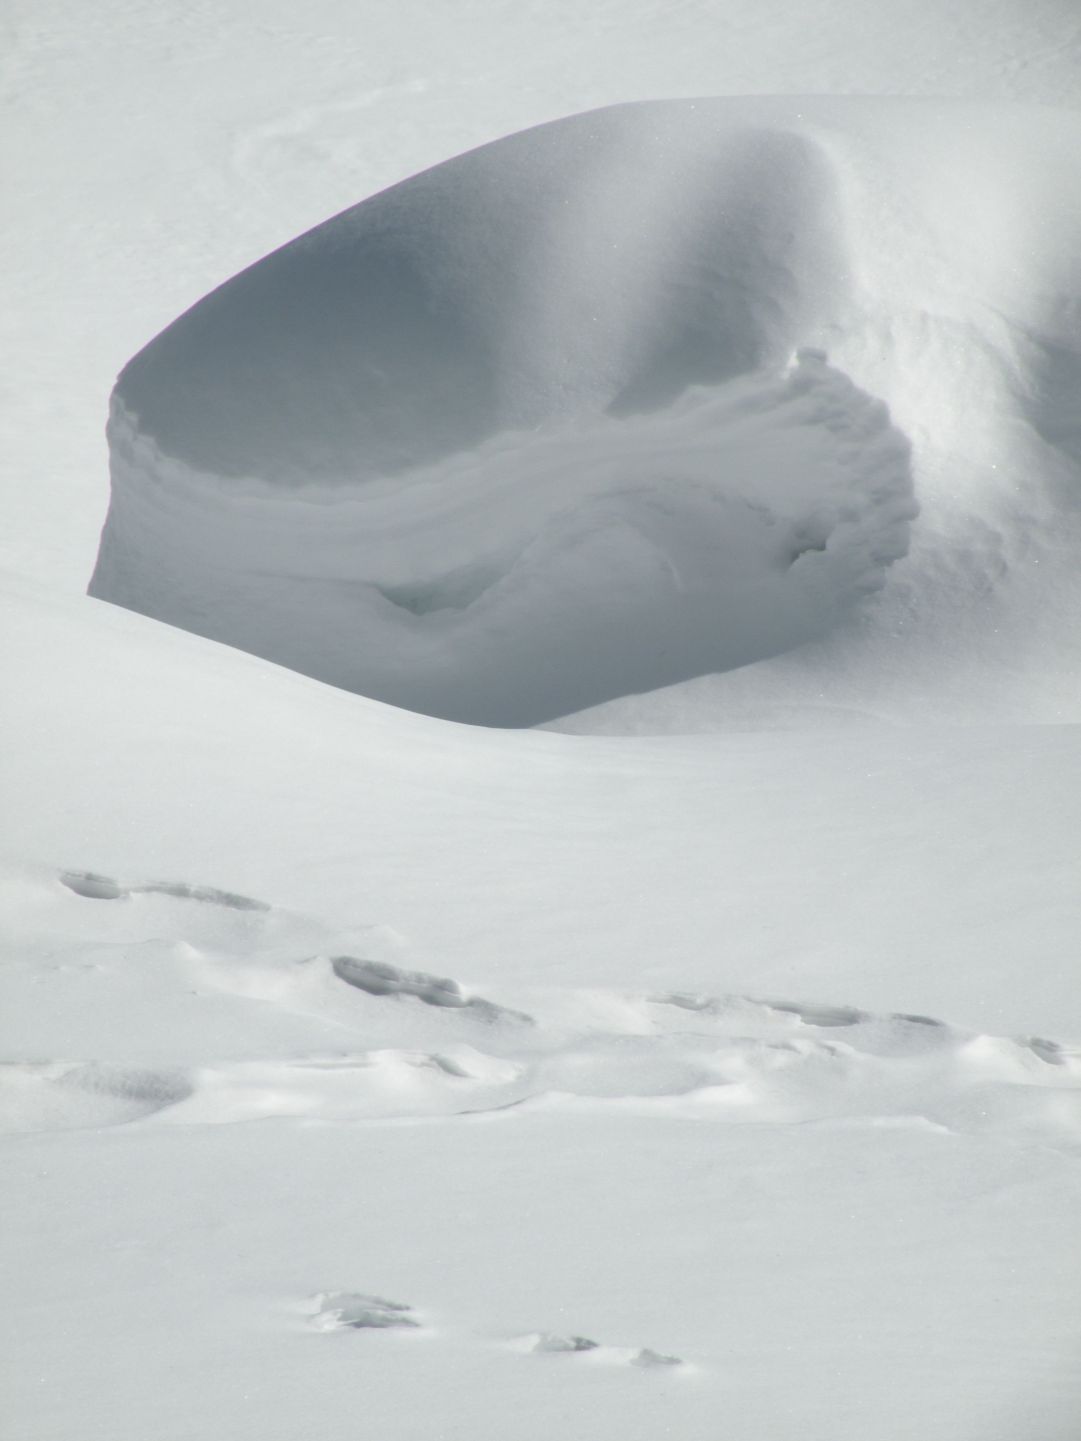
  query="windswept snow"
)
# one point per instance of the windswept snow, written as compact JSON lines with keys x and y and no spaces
{"x":878,"y":868}
{"x":616,"y":1210}
{"x":543,"y":572}
{"x":363,"y":1073}
{"x":515,"y":438}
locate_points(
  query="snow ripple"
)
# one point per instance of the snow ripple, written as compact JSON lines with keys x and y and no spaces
{"x":182,"y":1004}
{"x":721,"y":1060}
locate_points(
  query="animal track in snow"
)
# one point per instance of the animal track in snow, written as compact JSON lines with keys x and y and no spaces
{"x":755,"y":1016}
{"x":354,"y":1311}
{"x":809,"y":1014}
{"x":379,"y":979}
{"x":94,"y":887}
{"x":359,"y":1311}
{"x":551,"y":1343}
{"x":819,"y":1015}
{"x":395,"y":1043}
{"x":547,"y":1343}
{"x":209,"y":895}
{"x":1049,"y":1051}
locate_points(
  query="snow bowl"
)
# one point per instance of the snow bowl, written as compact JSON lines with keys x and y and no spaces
{"x":540,"y":427}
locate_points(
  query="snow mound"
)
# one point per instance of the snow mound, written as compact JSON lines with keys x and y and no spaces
{"x":522,"y":434}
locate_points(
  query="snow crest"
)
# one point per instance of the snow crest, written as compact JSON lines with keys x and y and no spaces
{"x":521,"y":435}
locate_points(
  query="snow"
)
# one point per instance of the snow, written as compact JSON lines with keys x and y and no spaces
{"x":854,"y":867}
{"x":509,"y":395}
{"x":283,"y":1216}
{"x":543,"y":572}
{"x":714,"y":1070}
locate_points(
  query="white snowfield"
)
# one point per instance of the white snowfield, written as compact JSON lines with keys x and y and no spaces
{"x":689,"y":1044}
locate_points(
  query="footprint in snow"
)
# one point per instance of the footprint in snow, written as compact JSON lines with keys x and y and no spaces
{"x":94,"y":887}
{"x":355,"y":1311}
{"x":546,"y":1343}
{"x":809,"y":1015}
{"x":376,"y":978}
{"x":558,"y":1344}
{"x":824,"y":1016}
{"x":646,"y":1357}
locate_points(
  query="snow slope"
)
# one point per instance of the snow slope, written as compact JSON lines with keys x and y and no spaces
{"x":368,"y":1073}
{"x":870,"y":868}
{"x":754,"y":1051}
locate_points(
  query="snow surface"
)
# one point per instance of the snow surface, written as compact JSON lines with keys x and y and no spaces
{"x":366,"y":1073}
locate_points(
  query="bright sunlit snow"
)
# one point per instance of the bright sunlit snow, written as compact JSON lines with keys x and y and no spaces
{"x":539,"y":889}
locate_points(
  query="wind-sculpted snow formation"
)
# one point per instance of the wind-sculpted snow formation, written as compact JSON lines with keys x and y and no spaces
{"x":552,"y":424}
{"x":525,"y":432}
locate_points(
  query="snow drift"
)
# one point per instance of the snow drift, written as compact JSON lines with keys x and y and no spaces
{"x":523,"y":433}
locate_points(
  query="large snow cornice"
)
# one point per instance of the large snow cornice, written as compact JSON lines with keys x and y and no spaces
{"x":605,"y":261}
{"x":523,"y":434}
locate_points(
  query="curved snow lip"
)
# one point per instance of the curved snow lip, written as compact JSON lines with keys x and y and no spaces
{"x":523,"y":434}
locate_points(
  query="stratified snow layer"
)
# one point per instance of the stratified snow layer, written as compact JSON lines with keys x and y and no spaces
{"x":247,"y":1197}
{"x":521,"y":434}
{"x":542,"y":572}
